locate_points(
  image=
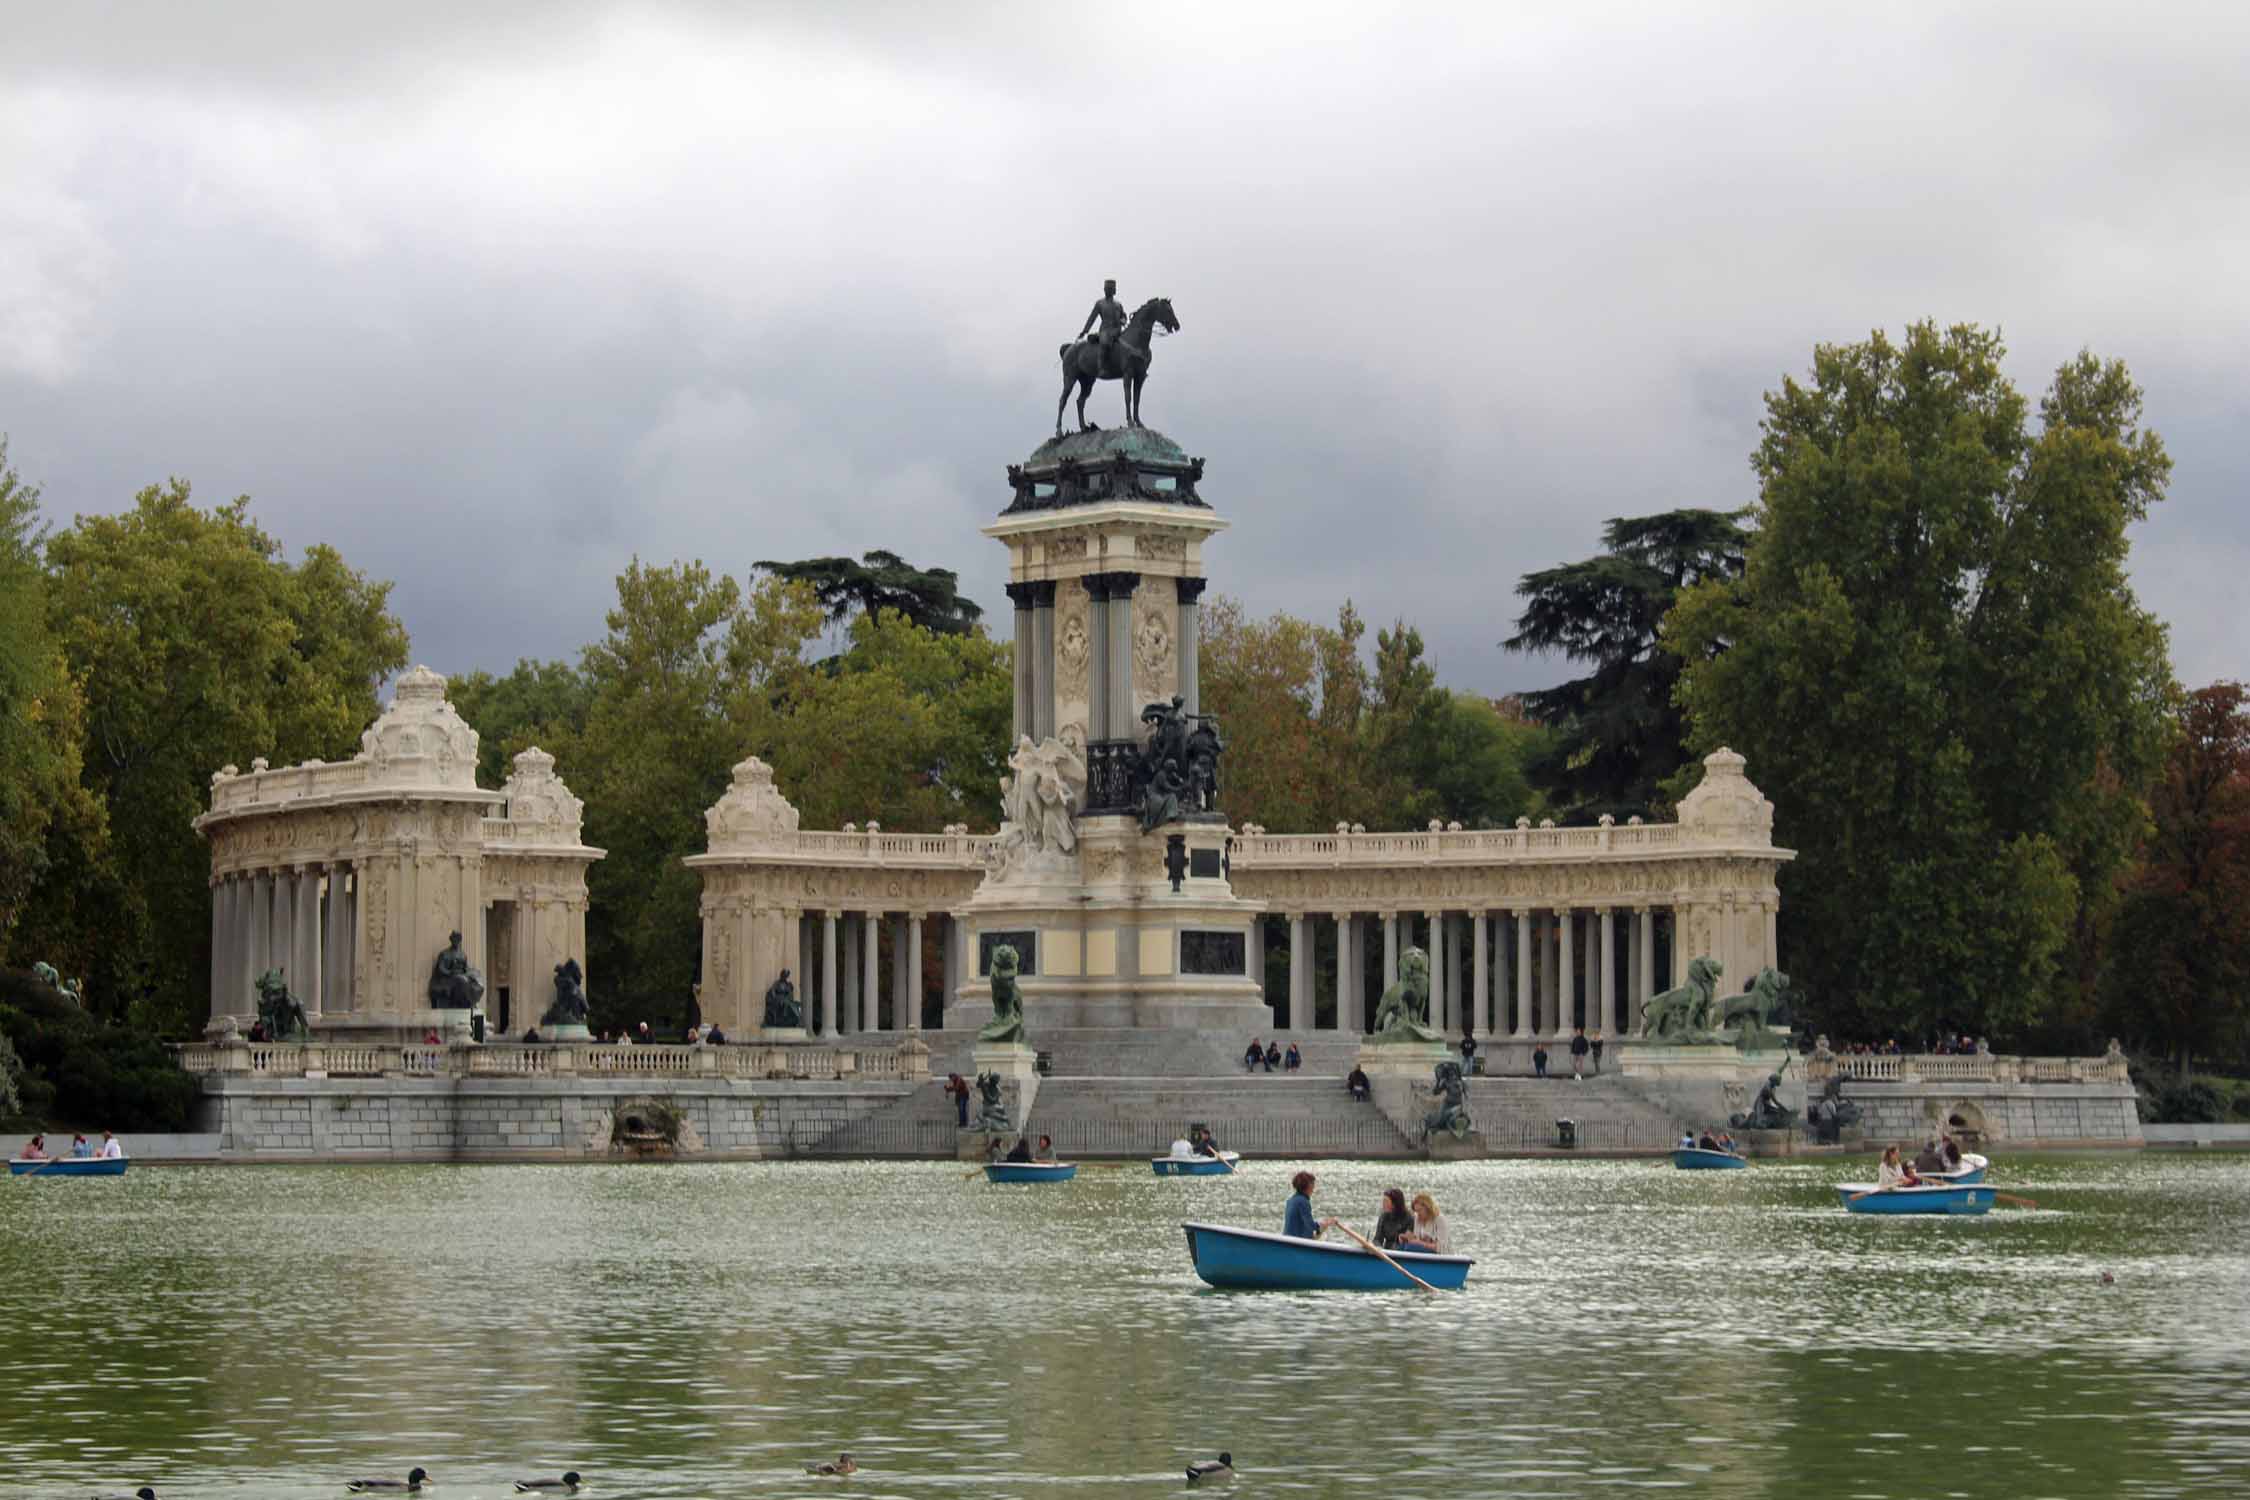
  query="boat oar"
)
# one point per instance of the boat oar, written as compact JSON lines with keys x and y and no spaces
{"x":2013,"y":1199}
{"x":35,"y":1171}
{"x":1387,"y":1258}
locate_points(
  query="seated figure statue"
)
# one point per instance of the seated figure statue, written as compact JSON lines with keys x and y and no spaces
{"x":992,"y":1109}
{"x":1766,"y":1112}
{"x":454,"y":982}
{"x":569,"y":1008}
{"x":1452,"y":1112}
{"x":282,"y":1013}
{"x":782,"y":1010}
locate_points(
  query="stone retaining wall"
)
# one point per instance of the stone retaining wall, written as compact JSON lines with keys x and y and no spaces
{"x":2018,"y":1114}
{"x":496,"y":1119}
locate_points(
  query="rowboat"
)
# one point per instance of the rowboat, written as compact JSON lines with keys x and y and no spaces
{"x":68,"y":1166}
{"x":1239,"y":1259}
{"x":1971,"y":1170}
{"x":1189,"y":1165}
{"x":1030,"y":1171}
{"x":1697,"y":1159}
{"x":1931,"y":1198}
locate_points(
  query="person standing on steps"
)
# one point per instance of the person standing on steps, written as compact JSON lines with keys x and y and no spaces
{"x":1539,"y":1060}
{"x":1578,"y":1049}
{"x":1597,"y":1050}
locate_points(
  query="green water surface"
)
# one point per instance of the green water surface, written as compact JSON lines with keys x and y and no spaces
{"x":698,"y":1330}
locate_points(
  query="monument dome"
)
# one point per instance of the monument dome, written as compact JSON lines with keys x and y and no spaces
{"x":1105,"y":463}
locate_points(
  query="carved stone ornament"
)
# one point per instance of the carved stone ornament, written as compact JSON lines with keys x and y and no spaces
{"x":539,"y":803}
{"x":419,"y":740}
{"x":1725,"y":807}
{"x":753,"y":810}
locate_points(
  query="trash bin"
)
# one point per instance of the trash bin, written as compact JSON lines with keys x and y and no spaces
{"x":1566,"y":1133}
{"x":1045,"y":1064}
{"x":1476,"y":1066}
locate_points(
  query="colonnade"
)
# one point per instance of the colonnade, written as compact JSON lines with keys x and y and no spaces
{"x":297,"y":918}
{"x":1531,"y":972}
{"x":842,"y":965}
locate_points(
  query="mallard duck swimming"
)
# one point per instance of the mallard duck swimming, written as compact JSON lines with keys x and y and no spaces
{"x":842,"y":1465}
{"x":1221,"y":1467}
{"x":412,"y":1483}
{"x":568,"y":1483}
{"x":143,"y":1493}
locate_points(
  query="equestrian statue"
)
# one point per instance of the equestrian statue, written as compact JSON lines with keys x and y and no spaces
{"x":1119,"y":351}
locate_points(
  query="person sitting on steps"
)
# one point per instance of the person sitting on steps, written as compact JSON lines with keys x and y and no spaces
{"x":1357,"y":1085}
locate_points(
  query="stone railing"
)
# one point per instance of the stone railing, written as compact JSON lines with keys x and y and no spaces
{"x":902,"y":1062}
{"x":1462,"y":846}
{"x":1964,"y":1067}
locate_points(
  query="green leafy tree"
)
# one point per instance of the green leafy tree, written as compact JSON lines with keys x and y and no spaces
{"x":540,"y":703}
{"x":1938,"y":672}
{"x":880,"y":580}
{"x":1619,"y":736}
{"x":197,"y":644}
{"x":2179,"y":959}
{"x":1289,"y":696}
{"x":42,"y":714}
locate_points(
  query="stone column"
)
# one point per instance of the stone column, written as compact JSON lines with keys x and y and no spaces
{"x":222,"y":901}
{"x":1021,"y":593}
{"x":825,"y":1019}
{"x":336,"y":952}
{"x":1258,"y":954}
{"x":1524,"y":974}
{"x":871,"y":989}
{"x":306,"y":946}
{"x":281,"y":939}
{"x":1609,"y":969}
{"x":1436,"y":954}
{"x":1773,"y":934}
{"x":1190,"y":590}
{"x":847,"y":981}
{"x":260,"y":928}
{"x":1480,"y":1014}
{"x":952,"y":960}
{"x":1122,"y":709}
{"x":1097,"y":657}
{"x":1566,"y":970}
{"x":1042,"y":661}
{"x":1550,"y":980}
{"x":1390,"y":948}
{"x":898,"y":976}
{"x":1461,"y":1009}
{"x":911,"y":1017}
{"x":1346,"y":974}
{"x":1300,"y":969}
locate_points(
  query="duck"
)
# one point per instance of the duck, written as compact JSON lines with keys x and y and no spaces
{"x":412,"y":1483}
{"x":1221,"y":1467}
{"x":842,"y":1465}
{"x":143,"y":1493}
{"x":568,"y":1483}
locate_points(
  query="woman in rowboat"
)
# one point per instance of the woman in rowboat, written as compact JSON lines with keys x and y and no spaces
{"x":1893,"y":1173}
{"x":1395,"y":1222}
{"x":1298,"y":1221}
{"x":1430,"y":1232}
{"x":34,"y":1150}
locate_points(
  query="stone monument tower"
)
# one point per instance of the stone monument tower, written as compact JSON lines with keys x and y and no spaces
{"x":1110,"y":878}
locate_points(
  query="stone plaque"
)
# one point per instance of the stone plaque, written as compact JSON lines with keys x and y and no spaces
{"x":1203,"y":864}
{"x":1026,"y":944}
{"x":1212,"y":952}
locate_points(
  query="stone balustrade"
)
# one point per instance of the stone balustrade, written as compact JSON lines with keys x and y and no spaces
{"x":906,"y":1061}
{"x":1965,"y":1067}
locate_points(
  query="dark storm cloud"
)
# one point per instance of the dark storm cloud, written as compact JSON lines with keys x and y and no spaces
{"x":495,"y":297}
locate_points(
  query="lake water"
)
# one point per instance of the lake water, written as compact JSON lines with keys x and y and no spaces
{"x":698,"y":1330}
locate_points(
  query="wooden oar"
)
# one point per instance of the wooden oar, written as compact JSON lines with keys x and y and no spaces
{"x":1387,"y":1258}
{"x":35,"y":1171}
{"x":2011,"y":1198}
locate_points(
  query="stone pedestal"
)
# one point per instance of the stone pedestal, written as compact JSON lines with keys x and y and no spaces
{"x":1704,"y":1083}
{"x":1446,"y":1146}
{"x":566,"y":1031}
{"x":1400,"y":1078}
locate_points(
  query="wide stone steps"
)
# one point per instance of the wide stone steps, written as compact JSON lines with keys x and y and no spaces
{"x":1257,"y":1114}
{"x":1093,"y":1053}
{"x":1611,"y":1114}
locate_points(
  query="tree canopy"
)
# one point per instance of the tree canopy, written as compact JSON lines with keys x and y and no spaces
{"x":1619,"y":736}
{"x":880,"y":580}
{"x":1938,"y":672}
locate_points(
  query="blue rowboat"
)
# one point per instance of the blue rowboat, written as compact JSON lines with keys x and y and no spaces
{"x":1195,"y":1166}
{"x":1931,"y":1198}
{"x":68,"y":1166}
{"x":1696,"y":1159}
{"x":1239,"y":1259}
{"x":1030,"y":1171}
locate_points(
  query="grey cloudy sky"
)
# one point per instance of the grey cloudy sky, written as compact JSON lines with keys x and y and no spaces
{"x":493,"y":297}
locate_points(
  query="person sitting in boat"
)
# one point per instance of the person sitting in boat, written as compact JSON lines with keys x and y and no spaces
{"x":34,"y":1150}
{"x":1395,"y":1222}
{"x":1931,"y":1158}
{"x":1021,"y":1151}
{"x":1687,"y":1141}
{"x":1046,"y":1150}
{"x":1893,"y":1173}
{"x":1707,"y":1142}
{"x":1201,"y":1142}
{"x":81,"y":1149}
{"x":1950,"y":1149}
{"x":1356,"y":1084}
{"x":1430,"y":1233}
{"x":1726,"y":1143}
{"x":112,"y":1147}
{"x":1298,"y":1219}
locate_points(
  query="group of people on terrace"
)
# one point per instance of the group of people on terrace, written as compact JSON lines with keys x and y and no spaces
{"x":1415,"y":1226}
{"x":1963,"y":1045}
{"x":1270,"y":1056}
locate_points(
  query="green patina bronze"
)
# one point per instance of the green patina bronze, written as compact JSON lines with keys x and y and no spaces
{"x":1006,"y":1024}
{"x":1684,"y":1014}
{"x":1404,"y":1013}
{"x":282,"y":1013}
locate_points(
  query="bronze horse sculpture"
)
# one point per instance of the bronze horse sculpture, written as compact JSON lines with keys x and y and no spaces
{"x":1082,"y":362}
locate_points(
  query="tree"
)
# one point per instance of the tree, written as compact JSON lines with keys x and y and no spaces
{"x":928,"y":597}
{"x":539,"y":703}
{"x":42,"y":713}
{"x":197,"y":644}
{"x":1290,"y":697}
{"x":2179,"y":962}
{"x":1619,"y":735}
{"x":1938,"y":672}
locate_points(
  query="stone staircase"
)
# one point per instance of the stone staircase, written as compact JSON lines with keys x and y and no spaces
{"x":1258,"y":1114}
{"x":1092,"y":1053}
{"x":1612,"y":1114}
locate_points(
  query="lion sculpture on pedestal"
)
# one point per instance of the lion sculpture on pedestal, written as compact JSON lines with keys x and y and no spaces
{"x":1687,"y":1012}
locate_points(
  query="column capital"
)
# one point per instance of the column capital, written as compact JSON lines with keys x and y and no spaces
{"x":1116,"y":585}
{"x":1189,"y":589}
{"x":1024,"y":594}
